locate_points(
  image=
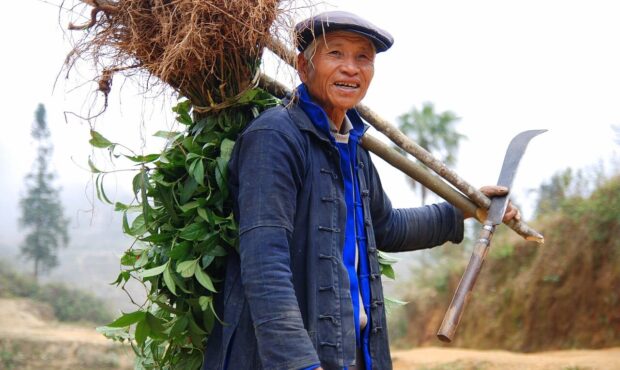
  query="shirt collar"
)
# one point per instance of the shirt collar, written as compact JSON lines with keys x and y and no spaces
{"x":346,"y":127}
{"x":352,"y":125}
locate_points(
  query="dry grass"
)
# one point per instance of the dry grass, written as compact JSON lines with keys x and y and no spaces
{"x":207,"y":50}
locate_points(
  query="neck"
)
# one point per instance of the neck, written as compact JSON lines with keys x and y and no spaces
{"x":337,"y":117}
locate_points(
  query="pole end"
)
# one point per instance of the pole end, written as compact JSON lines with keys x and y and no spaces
{"x":444,"y":338}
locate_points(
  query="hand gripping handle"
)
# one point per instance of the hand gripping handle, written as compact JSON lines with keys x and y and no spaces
{"x":453,"y":316}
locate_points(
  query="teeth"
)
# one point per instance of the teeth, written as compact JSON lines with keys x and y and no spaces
{"x":346,"y":84}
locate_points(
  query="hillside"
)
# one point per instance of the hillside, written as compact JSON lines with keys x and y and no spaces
{"x":563,"y":294}
{"x":31,"y":338}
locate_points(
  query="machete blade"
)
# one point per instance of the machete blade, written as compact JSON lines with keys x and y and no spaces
{"x":513,"y":156}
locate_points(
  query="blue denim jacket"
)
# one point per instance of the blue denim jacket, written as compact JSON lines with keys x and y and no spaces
{"x":286,"y":302}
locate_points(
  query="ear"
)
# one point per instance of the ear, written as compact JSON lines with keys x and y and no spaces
{"x":302,"y":67}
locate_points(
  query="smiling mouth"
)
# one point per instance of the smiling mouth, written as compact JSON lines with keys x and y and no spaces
{"x":347,"y":85}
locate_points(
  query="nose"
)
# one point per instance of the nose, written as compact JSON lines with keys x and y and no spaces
{"x":349,"y":66}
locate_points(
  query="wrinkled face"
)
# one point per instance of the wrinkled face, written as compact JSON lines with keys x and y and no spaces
{"x":339,"y":73}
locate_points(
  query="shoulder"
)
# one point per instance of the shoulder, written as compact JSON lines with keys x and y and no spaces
{"x":273,"y":132}
{"x":275,"y":119}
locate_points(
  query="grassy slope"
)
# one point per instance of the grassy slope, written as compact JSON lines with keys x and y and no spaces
{"x":564,"y":294}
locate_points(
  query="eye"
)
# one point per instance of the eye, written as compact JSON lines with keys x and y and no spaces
{"x":365,"y":57}
{"x":334,"y":52}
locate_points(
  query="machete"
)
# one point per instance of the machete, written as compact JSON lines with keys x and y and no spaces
{"x":515,"y":151}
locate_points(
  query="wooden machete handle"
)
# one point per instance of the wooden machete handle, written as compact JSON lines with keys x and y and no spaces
{"x":453,"y":316}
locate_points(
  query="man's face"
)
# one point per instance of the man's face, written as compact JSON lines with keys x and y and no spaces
{"x":338,"y":74}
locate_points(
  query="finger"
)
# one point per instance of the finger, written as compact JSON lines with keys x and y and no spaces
{"x":512,"y":212}
{"x":494,"y":190}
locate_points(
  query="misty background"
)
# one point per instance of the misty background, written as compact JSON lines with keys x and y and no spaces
{"x":502,"y":67}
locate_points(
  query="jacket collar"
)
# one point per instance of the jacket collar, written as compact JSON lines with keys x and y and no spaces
{"x":311,"y":117}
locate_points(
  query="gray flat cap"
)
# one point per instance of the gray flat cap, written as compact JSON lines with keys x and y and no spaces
{"x":307,"y":30}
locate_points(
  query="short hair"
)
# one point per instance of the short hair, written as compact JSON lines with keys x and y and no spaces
{"x":310,"y":51}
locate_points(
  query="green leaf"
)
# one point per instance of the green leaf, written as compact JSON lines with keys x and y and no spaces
{"x":187,"y":268}
{"x":100,"y":189}
{"x":394,"y":301}
{"x":191,"y":156}
{"x":204,"y":302}
{"x":123,"y":276}
{"x":181,"y":284}
{"x":127,"y":319}
{"x":226,"y":149}
{"x":388,"y":271}
{"x":188,"y":189}
{"x":179,"y":326}
{"x":142,"y":332}
{"x":221,"y":175}
{"x":199,"y":172}
{"x":191,"y":360}
{"x":164,"y":159}
{"x":182,"y":109}
{"x":142,"y":158}
{"x":194,"y":328}
{"x":121,"y":207}
{"x":117,"y":334}
{"x":93,"y":169}
{"x":142,"y":260}
{"x":156,"y":325}
{"x":179,"y":250}
{"x":168,"y":280}
{"x":165,"y":196}
{"x":207,"y":260}
{"x":210,"y":242}
{"x":167,"y":134}
{"x":204,"y":279}
{"x":138,"y":226}
{"x":217,"y":251}
{"x":195,"y":231}
{"x":97,"y":140}
{"x":126,"y":228}
{"x":386,"y":259}
{"x":189,"y":206}
{"x":154,"y":271}
{"x":208,"y":318}
{"x":248,"y":96}
{"x":204,"y":215}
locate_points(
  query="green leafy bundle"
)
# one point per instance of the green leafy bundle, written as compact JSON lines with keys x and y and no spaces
{"x":183,"y":226}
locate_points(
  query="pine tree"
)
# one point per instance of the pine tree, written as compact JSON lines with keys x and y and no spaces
{"x":42,"y":211}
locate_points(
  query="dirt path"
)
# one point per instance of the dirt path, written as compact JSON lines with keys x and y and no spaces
{"x":432,"y":358}
{"x":30,"y":338}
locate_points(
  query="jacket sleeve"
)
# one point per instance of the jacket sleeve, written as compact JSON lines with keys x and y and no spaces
{"x":407,"y":229}
{"x":269,"y":168}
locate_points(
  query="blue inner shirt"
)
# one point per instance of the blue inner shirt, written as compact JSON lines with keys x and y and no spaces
{"x":355,"y":236}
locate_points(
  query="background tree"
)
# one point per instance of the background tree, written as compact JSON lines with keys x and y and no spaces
{"x":42,"y":211}
{"x":434,"y":132}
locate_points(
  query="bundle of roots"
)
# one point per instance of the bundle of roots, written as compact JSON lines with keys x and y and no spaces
{"x":207,"y":50}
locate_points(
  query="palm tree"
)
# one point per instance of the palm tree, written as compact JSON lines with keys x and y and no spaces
{"x":434,"y":132}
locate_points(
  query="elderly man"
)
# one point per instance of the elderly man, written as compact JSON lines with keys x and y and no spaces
{"x":305,"y":290}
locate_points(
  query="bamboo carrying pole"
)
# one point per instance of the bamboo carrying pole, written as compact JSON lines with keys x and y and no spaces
{"x":473,"y":202}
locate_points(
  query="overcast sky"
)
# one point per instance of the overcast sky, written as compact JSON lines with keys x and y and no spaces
{"x":502,"y":66}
